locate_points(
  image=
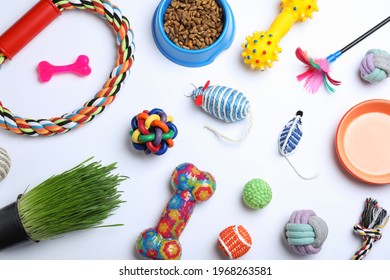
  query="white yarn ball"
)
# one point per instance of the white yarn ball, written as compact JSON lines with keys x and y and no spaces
{"x":5,"y":163}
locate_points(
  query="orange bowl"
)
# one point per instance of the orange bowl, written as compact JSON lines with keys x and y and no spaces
{"x":363,"y":141}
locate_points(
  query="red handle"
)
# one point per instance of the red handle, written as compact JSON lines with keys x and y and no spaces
{"x":27,"y":27}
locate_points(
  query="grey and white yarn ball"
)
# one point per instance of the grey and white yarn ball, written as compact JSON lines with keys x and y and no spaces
{"x":375,"y":66}
{"x":5,"y":163}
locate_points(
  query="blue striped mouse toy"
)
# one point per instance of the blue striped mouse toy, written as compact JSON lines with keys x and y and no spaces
{"x":224,"y":103}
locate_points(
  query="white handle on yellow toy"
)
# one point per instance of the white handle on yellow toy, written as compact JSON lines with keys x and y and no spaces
{"x":262,"y":48}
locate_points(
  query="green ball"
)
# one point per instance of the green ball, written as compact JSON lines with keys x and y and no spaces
{"x":257,"y":194}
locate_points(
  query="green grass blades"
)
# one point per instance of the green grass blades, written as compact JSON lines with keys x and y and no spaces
{"x":80,"y":198}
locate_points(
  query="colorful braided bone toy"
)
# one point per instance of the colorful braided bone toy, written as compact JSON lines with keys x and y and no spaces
{"x":33,"y":22}
{"x":262,"y":48}
{"x":191,"y":185}
{"x":153,"y":132}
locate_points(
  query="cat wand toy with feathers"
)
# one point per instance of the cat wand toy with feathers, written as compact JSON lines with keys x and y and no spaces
{"x":318,"y":69}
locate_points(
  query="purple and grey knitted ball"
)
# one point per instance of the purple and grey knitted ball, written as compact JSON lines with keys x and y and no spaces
{"x":305,"y":232}
{"x":375,"y":66}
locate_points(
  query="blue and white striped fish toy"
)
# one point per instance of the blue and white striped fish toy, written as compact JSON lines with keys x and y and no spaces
{"x":289,"y":139}
{"x":224,"y":103}
{"x":291,"y":135}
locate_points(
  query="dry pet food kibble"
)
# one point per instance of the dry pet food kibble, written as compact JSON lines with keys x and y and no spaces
{"x":193,"y":24}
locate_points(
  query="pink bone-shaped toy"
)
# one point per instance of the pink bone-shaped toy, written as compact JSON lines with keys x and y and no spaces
{"x":80,"y":67}
{"x":191,"y":185}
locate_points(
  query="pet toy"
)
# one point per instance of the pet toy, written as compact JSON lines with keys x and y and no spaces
{"x":375,"y":66}
{"x":318,"y":69}
{"x":371,"y":221}
{"x":289,"y":139}
{"x":153,"y":132}
{"x":234,"y":241}
{"x":5,"y":163}
{"x":257,"y":194}
{"x":262,"y":48}
{"x":34,"y":21}
{"x":80,"y":67}
{"x":224,"y":103}
{"x":77,"y":199}
{"x":305,"y":232}
{"x":191,"y":185}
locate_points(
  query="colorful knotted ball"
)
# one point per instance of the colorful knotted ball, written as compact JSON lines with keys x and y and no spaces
{"x":5,"y":163}
{"x":375,"y":66}
{"x":234,"y":241}
{"x":257,"y":193}
{"x":153,"y":131}
{"x":305,"y":232}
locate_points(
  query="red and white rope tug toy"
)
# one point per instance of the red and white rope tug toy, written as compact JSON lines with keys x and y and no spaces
{"x":33,"y":22}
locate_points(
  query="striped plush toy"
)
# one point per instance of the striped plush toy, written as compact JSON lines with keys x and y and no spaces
{"x":289,"y":139}
{"x":224,"y":103}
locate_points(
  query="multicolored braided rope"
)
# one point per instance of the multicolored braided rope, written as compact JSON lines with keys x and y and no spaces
{"x":372,"y":220}
{"x":93,"y":107}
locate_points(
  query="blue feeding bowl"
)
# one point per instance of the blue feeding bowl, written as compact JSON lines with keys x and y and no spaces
{"x":193,"y":58}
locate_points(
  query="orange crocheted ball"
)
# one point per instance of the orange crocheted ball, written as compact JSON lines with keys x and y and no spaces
{"x":234,"y":241}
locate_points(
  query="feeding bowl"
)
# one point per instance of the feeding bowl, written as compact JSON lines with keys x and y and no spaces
{"x":362,"y":141}
{"x":189,"y":57}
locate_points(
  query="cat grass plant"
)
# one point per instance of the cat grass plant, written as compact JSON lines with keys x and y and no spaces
{"x":77,"y":199}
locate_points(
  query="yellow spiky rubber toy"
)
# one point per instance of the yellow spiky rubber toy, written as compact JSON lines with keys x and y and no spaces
{"x":262,"y":48}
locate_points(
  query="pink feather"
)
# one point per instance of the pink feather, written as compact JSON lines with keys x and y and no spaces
{"x":316,"y":74}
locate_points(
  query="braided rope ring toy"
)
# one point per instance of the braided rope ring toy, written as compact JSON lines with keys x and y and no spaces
{"x":47,"y":11}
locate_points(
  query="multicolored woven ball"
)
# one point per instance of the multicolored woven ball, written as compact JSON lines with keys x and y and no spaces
{"x":305,"y":232}
{"x":234,"y":241}
{"x":257,"y":193}
{"x":153,"y":131}
{"x":5,"y":163}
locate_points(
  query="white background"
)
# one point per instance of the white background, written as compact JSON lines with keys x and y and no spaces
{"x":275,"y":96}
